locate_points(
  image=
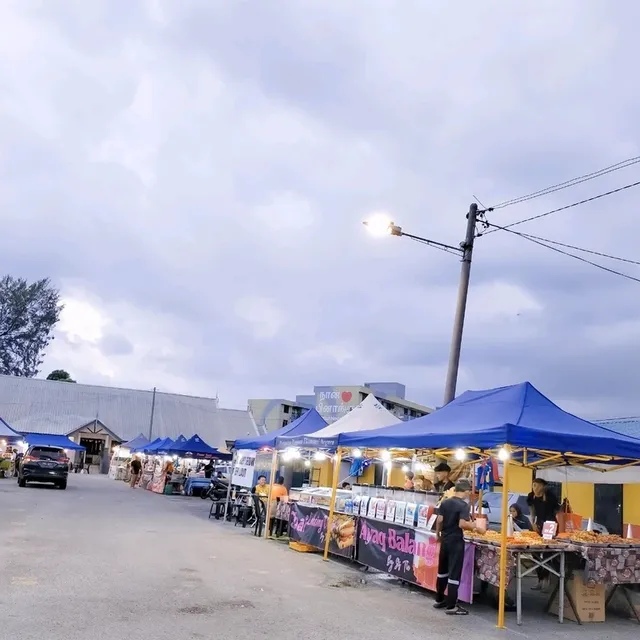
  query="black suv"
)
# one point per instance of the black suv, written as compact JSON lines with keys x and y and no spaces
{"x":44,"y":464}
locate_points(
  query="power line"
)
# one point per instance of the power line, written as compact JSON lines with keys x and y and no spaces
{"x":568,"y":206}
{"x":571,"y":246}
{"x":566,"y":253}
{"x":570,"y":183}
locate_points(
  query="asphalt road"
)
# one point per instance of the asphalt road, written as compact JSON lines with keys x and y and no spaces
{"x":101,"y":561}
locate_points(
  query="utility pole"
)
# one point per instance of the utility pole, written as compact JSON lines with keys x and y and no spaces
{"x":153,"y":409}
{"x":461,"y":306}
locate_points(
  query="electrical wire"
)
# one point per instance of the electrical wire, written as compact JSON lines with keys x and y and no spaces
{"x":568,"y":206}
{"x":571,"y":246}
{"x":566,"y":253}
{"x":570,"y":183}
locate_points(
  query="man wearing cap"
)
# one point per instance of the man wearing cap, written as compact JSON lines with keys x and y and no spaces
{"x":443,"y":483}
{"x":453,"y":519}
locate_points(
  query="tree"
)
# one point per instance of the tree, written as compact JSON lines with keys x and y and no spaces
{"x":60,"y":375}
{"x":28,"y":313}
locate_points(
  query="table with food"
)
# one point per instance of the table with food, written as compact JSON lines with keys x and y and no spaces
{"x":589,"y":558}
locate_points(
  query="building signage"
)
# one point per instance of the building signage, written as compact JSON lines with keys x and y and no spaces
{"x":332,"y":403}
{"x":243,"y":468}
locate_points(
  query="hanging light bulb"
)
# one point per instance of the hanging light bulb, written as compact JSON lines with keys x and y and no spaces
{"x":307,"y":463}
{"x":388,"y":465}
{"x":319,"y":455}
{"x":405,"y":467}
{"x":356,"y":453}
{"x":286,"y":456}
{"x":461,"y":454}
{"x":385,"y":455}
{"x":503,"y":454}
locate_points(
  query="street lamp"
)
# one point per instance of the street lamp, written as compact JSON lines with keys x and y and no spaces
{"x":381,"y":225}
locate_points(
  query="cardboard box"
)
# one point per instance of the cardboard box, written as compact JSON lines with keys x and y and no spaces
{"x":589,"y":601}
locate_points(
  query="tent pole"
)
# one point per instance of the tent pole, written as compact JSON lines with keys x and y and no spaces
{"x":274,"y":464}
{"x":503,"y":542}
{"x":334,"y":492}
{"x":226,"y":504}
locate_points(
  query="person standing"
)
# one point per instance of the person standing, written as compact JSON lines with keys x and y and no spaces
{"x":443,"y":480}
{"x":136,"y":470}
{"x":543,"y":505}
{"x":408,"y":481}
{"x":453,"y":519}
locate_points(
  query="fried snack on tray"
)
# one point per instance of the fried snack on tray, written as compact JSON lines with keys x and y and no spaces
{"x":522,"y":539}
{"x":591,"y":537}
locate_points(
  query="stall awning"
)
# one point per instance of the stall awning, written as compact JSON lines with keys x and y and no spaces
{"x":136,"y":443}
{"x":308,"y":422}
{"x":51,"y":440}
{"x":369,"y":414}
{"x":518,"y":415}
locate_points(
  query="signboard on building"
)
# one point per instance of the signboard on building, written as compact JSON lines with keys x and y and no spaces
{"x":243,"y":468}
{"x":332,"y":403}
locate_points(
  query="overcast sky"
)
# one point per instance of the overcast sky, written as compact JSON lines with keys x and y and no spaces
{"x":193,"y":176}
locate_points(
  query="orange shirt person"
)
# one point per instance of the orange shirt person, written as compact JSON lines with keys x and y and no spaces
{"x":279,"y":490}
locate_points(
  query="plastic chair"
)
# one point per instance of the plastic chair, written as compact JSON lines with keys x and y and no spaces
{"x":260,"y":513}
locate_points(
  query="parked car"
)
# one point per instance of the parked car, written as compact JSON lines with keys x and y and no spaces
{"x":492,"y":507}
{"x":44,"y":464}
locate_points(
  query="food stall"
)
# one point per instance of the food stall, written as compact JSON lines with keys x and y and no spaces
{"x":521,"y":427}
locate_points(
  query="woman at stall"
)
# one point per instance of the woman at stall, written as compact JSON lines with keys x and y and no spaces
{"x":519,"y":519}
{"x":544,"y":506}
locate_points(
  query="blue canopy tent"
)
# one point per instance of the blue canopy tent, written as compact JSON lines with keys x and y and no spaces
{"x":147,"y":446}
{"x":196,"y":448}
{"x":308,"y":422}
{"x":137,"y":442}
{"x":179,"y":440}
{"x":163,"y":448}
{"x":52,"y":440}
{"x":155,"y":447}
{"x":6,"y":432}
{"x":519,"y":418}
{"x":517,"y":415}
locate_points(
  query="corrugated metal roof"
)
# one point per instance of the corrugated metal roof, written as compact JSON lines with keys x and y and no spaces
{"x":48,"y":406}
{"x":627,"y":426}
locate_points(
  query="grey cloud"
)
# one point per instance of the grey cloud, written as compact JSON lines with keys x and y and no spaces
{"x":410,"y":109}
{"x":115,"y":345}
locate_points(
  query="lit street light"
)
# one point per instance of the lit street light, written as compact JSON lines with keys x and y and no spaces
{"x":381,"y":225}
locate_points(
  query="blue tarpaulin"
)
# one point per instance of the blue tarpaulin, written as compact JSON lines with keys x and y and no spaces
{"x":162,"y":448}
{"x":195,"y":447}
{"x":147,"y":446}
{"x":517,"y":415}
{"x":51,"y":440}
{"x":308,"y":422}
{"x":137,"y":442}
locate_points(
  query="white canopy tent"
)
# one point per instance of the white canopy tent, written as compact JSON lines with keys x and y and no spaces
{"x":369,"y":414}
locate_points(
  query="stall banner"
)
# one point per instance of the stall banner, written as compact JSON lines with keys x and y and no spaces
{"x":243,"y":468}
{"x":308,"y":525}
{"x":408,"y":554}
